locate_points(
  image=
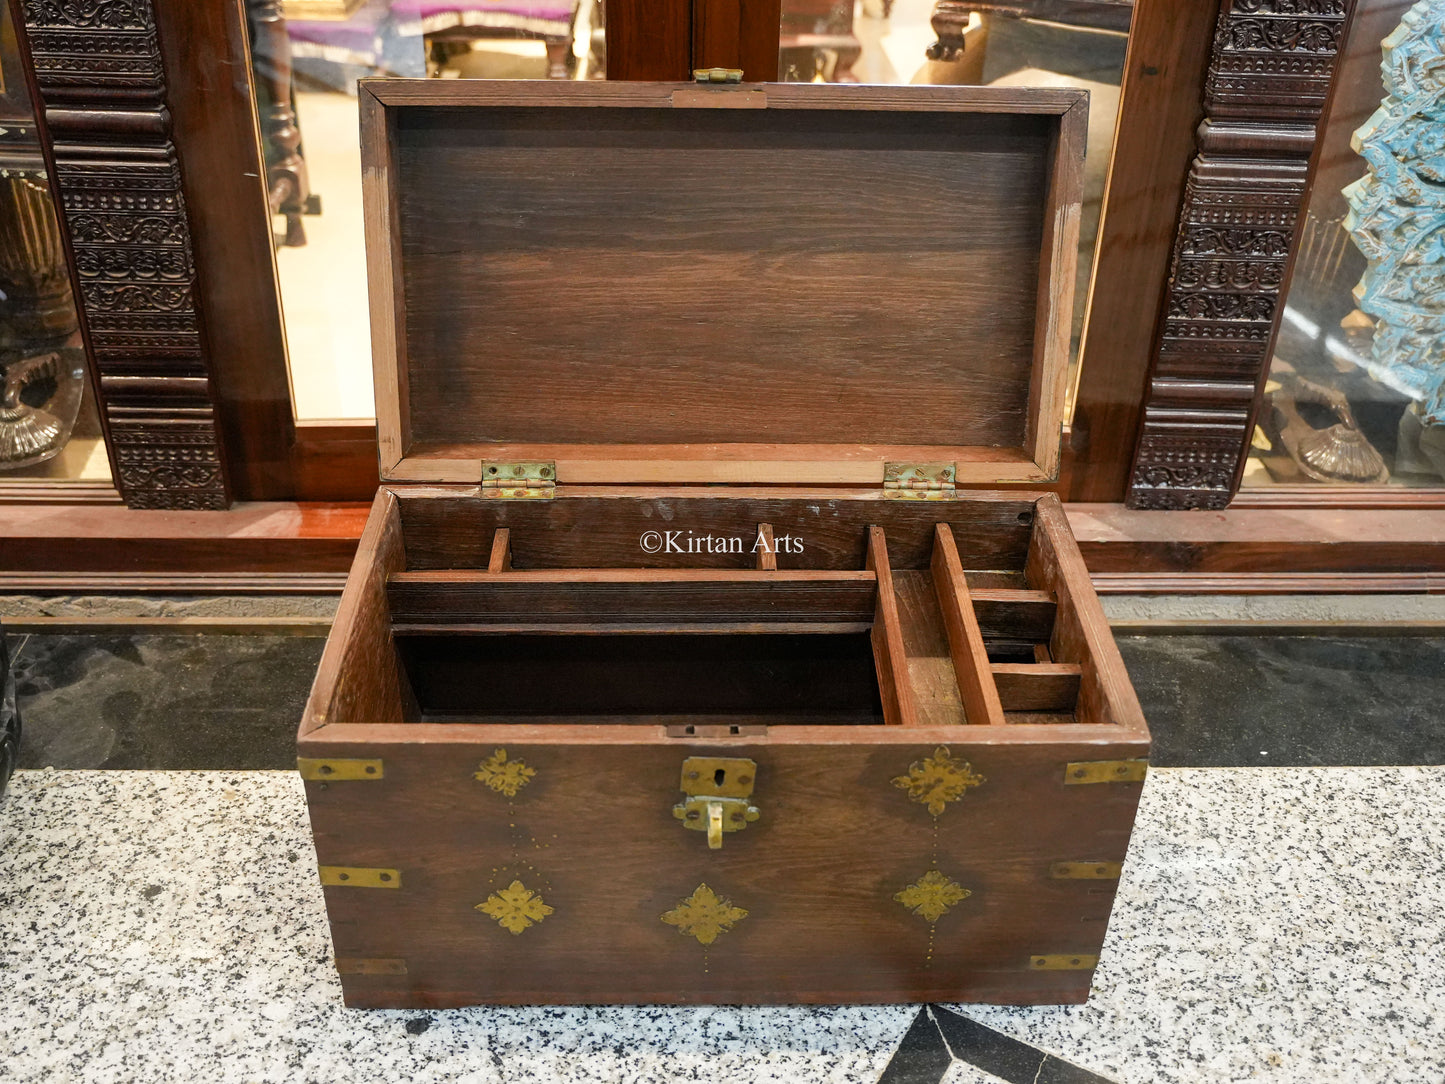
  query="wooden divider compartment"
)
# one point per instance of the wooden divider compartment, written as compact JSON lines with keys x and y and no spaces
{"x":965,"y":626}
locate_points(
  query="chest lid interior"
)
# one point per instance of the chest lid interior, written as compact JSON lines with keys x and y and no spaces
{"x":765,"y":283}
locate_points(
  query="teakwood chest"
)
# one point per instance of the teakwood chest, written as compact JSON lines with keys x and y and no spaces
{"x":687,"y":656}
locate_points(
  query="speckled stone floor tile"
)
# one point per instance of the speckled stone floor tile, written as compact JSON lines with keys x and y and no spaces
{"x":168,"y":926}
{"x":1272,"y":924}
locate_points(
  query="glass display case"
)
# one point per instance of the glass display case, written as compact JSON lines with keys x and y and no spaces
{"x":1356,"y":387}
{"x":999,"y":43}
{"x":49,"y":427}
{"x":307,"y":56}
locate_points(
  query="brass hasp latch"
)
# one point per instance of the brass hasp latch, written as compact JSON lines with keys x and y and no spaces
{"x":717,"y":789}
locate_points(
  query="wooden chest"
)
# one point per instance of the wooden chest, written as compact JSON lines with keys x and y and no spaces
{"x":680,"y":662}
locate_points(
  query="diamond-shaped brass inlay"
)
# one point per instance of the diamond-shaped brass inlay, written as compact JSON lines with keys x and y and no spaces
{"x":937,"y":780}
{"x":502,"y":775}
{"x":515,"y":907}
{"x":932,"y":895}
{"x":704,"y":915}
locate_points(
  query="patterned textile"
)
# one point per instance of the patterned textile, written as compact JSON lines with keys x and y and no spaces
{"x":356,"y":39}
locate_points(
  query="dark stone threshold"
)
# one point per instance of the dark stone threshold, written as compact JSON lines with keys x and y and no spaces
{"x":188,"y":701}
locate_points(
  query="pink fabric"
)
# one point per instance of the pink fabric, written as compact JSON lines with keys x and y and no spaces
{"x":358,"y":34}
{"x":360,"y":37}
{"x":410,"y":10}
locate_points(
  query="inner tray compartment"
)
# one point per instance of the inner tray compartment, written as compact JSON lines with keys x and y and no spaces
{"x":937,"y":645}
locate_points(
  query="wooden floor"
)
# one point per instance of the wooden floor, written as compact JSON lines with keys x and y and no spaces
{"x":307,"y":548}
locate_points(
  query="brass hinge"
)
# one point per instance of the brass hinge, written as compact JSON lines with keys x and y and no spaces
{"x":519,"y":481}
{"x":357,"y":965}
{"x":717,"y":75}
{"x":1086,"y":871}
{"x":360,"y":877}
{"x":1106,"y":771}
{"x":919,"y":481}
{"x":1064,"y":961}
{"x":328,"y":769}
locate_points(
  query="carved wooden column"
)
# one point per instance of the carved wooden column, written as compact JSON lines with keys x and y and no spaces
{"x":102,"y":88}
{"x":1268,"y":81}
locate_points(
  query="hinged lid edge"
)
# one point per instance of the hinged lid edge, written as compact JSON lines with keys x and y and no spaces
{"x":403,"y":460}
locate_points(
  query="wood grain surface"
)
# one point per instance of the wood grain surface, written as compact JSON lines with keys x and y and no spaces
{"x":360,"y":675}
{"x":451,"y":527}
{"x":593,"y":833}
{"x":636,"y":596}
{"x":581,"y":268}
{"x":889,"y":656}
{"x":1081,"y":631}
{"x":965,"y":638}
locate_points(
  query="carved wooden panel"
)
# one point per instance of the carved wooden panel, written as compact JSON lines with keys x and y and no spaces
{"x":98,"y":68}
{"x":1269,"y":78}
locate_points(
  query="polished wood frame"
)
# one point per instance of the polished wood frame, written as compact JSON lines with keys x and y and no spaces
{"x":100,"y":90}
{"x":272,"y":457}
{"x":284,"y":548}
{"x":177,"y":289}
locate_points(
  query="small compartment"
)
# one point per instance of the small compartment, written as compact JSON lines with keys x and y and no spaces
{"x":980,"y":654}
{"x":669,"y":679}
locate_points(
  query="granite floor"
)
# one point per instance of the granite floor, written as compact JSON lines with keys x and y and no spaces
{"x":1274,"y":923}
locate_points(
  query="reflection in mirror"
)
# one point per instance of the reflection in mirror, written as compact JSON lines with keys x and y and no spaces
{"x":307,"y":57}
{"x":1050,"y":43}
{"x":49,"y":428}
{"x":1356,"y":391}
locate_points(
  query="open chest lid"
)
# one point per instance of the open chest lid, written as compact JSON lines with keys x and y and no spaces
{"x":757,"y":283}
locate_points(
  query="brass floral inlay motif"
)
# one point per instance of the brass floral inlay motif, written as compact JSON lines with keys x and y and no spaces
{"x":515,"y":907}
{"x":937,"y":780}
{"x":932,"y":895}
{"x":504,"y":776}
{"x":704,"y":915}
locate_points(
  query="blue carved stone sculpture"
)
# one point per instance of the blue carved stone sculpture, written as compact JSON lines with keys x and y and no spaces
{"x":1397,"y":213}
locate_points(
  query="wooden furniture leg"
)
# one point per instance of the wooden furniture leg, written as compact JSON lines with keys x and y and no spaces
{"x":949,"y":22}
{"x":559,"y":55}
{"x":287,"y":184}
